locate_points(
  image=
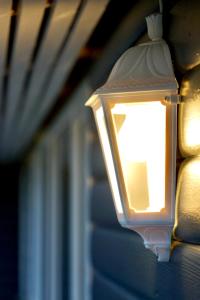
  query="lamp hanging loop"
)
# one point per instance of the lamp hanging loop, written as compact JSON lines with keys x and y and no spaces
{"x":154,"y":24}
{"x":154,"y":27}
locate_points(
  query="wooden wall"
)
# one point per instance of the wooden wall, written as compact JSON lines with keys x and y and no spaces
{"x":122,"y":268}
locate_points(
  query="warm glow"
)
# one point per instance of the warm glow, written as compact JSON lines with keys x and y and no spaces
{"x":192,"y":130}
{"x":194,"y":169}
{"x":140,"y":130}
{"x":108,"y":157}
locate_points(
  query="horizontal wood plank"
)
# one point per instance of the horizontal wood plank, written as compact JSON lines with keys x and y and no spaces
{"x":188,"y":201}
{"x":102,"y":206}
{"x":179,"y":279}
{"x":98,"y":169}
{"x":123,"y":258}
{"x":106,"y":289}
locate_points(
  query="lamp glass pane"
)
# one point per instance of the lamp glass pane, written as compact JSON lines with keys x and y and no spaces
{"x":101,"y":125}
{"x":140,"y":134}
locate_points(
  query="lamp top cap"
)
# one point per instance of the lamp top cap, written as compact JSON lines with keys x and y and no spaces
{"x":154,"y":26}
{"x":144,"y":67}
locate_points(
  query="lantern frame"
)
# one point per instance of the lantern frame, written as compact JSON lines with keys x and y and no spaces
{"x":166,"y":216}
{"x":143,"y":74}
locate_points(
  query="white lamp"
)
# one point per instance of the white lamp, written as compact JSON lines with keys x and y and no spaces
{"x":136,"y":114}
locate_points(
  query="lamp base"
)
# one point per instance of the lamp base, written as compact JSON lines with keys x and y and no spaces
{"x":157,"y":239}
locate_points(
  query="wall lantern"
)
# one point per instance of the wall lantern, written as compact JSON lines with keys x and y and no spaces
{"x":136,"y":113}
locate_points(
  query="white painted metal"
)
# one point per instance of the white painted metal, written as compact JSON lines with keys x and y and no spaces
{"x":31,"y":13}
{"x":147,"y":70}
{"x":157,"y":239}
{"x":145,"y":67}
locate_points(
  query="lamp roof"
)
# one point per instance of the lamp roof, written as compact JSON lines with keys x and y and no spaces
{"x":145,"y":67}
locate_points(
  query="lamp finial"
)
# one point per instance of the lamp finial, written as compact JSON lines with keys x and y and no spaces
{"x":154,"y":27}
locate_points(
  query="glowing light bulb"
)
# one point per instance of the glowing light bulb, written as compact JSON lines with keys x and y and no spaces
{"x":140,"y":133}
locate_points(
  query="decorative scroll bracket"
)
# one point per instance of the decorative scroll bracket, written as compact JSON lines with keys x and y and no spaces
{"x":157,"y":239}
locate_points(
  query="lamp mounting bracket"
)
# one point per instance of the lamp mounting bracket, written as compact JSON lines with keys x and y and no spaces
{"x":173,"y":99}
{"x":157,"y":238}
